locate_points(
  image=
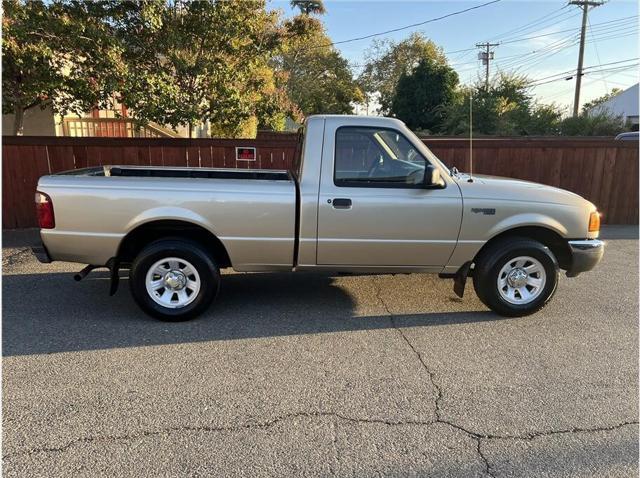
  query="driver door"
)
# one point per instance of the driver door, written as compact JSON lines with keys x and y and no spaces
{"x":373,"y":209}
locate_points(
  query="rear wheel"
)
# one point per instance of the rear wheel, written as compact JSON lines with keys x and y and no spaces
{"x":516,"y":276}
{"x":174,"y":279}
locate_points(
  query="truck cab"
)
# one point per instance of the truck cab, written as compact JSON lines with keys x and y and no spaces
{"x":372,"y":204}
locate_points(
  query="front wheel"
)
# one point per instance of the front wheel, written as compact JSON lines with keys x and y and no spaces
{"x":174,"y":279}
{"x":516,"y":277}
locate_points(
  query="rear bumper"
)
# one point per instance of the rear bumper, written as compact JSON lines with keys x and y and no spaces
{"x":585,"y":255}
{"x":41,"y":254}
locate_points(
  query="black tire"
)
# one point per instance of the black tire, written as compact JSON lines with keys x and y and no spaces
{"x":190,"y":251}
{"x":491,"y":261}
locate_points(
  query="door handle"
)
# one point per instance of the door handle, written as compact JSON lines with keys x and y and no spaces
{"x":341,"y":203}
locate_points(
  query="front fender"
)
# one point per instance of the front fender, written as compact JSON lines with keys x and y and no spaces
{"x":526,"y":219}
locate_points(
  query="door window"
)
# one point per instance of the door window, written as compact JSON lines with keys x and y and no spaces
{"x":376,"y":157}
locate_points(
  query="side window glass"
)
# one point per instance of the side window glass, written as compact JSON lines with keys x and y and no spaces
{"x":376,"y":157}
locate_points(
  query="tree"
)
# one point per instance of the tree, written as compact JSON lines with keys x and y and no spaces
{"x":387,"y":61}
{"x":197,"y":61}
{"x":309,"y":7}
{"x":318,"y":78}
{"x":422,"y":95}
{"x":506,"y":108}
{"x":591,"y":105}
{"x":56,"y":54}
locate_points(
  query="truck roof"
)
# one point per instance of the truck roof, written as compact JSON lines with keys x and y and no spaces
{"x":358,"y":119}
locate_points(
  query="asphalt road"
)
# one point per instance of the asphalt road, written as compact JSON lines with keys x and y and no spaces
{"x":313,"y":375}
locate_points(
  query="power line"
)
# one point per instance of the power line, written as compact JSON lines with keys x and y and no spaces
{"x":615,"y":70}
{"x":586,"y":69}
{"x":459,"y":12}
{"x":595,"y":45}
{"x":527,"y":26}
{"x":611,"y":63}
{"x":541,"y":54}
{"x":608,"y":29}
{"x":519,"y":39}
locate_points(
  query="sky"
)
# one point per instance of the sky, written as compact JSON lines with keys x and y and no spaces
{"x":537,"y":38}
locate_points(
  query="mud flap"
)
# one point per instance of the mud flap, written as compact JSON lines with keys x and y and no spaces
{"x":113,"y":265}
{"x":460,"y":279}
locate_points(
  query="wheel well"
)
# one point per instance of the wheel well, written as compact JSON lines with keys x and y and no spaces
{"x":143,"y":235}
{"x":554,"y":241}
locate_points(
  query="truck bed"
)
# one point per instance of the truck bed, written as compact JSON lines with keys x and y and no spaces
{"x":178,"y":172}
{"x":253,"y":212}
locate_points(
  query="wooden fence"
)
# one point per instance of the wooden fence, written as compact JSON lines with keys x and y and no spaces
{"x":601,"y":169}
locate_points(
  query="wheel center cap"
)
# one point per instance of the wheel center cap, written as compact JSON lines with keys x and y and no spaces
{"x":517,"y":278}
{"x":175,"y":280}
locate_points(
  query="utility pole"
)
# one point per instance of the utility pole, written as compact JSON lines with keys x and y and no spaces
{"x":584,"y":4}
{"x":486,"y":56}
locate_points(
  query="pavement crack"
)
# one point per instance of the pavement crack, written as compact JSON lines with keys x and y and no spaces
{"x":477,"y":436}
{"x":485,"y":460}
{"x":204,"y":428}
{"x":541,"y":434}
{"x":436,"y":387}
{"x":430,"y":373}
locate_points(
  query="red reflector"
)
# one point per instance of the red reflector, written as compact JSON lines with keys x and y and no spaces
{"x":44,"y":210}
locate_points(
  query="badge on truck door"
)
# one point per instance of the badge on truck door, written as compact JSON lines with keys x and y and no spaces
{"x":245,"y":153}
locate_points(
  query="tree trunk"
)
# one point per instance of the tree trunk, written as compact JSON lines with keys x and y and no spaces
{"x":18,"y":121}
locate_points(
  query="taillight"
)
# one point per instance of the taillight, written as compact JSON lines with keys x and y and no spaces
{"x":44,"y":210}
{"x":594,"y":222}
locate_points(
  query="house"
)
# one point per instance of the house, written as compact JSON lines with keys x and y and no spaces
{"x":624,"y":104}
{"x":37,"y":122}
{"x":113,"y":122}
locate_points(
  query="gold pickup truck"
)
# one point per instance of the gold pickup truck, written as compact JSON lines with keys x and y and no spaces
{"x":368,"y":197}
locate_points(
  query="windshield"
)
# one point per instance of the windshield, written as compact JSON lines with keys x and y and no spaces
{"x":433,"y":159}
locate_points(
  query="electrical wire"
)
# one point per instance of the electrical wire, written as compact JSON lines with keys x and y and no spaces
{"x":566,"y":78}
{"x":527,"y":26}
{"x":520,"y":39}
{"x":413,"y":25}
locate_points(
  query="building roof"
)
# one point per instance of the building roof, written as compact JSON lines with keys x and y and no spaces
{"x":624,"y":104}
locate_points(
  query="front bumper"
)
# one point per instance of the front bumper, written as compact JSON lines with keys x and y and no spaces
{"x":585,"y":255}
{"x":41,"y":254}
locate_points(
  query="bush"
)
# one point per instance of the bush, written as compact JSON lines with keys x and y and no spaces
{"x":600,"y":124}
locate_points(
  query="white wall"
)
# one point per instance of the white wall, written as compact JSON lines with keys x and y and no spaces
{"x":37,"y":122}
{"x":624,"y":104}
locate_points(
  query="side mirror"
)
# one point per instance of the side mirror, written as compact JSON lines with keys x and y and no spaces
{"x":432,"y":178}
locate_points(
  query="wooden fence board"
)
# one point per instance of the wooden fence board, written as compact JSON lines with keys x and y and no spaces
{"x":600,"y":169}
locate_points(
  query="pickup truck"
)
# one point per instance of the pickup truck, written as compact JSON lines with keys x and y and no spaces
{"x":367,"y":197}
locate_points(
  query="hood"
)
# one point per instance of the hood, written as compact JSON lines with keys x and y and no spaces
{"x":499,"y":188}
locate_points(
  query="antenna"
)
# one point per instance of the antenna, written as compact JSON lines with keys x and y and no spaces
{"x":470,"y":180}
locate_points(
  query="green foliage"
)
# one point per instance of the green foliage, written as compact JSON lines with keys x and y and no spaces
{"x":600,"y":124}
{"x":387,"y":61}
{"x":309,"y":7}
{"x":602,"y":99}
{"x":506,"y":109}
{"x":57,"y":53}
{"x":175,"y":62}
{"x":422,"y":95}
{"x":197,"y":61}
{"x":318,"y":78}
{"x":239,"y":67}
